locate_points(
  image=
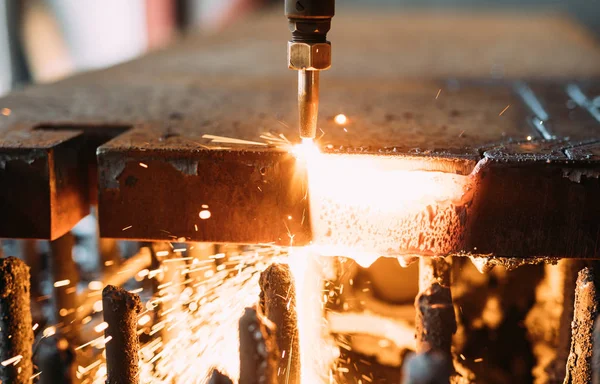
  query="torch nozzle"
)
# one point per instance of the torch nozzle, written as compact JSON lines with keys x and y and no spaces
{"x":308,"y":102}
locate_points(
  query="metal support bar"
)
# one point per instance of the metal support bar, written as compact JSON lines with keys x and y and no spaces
{"x":278,"y":303}
{"x":121,"y":310}
{"x":16,"y":338}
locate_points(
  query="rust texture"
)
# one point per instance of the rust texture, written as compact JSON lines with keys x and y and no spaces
{"x":121,"y":310}
{"x":507,"y":205}
{"x":278,"y":303}
{"x":16,"y":338}
{"x":156,"y":110}
{"x":48,"y":183}
{"x":579,"y":362}
{"x":239,"y":187}
{"x":259,"y":355}
{"x":435,"y":322}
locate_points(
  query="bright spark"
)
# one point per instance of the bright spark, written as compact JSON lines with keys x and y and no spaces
{"x":341,"y":119}
{"x":62,"y":283}
{"x":192,"y":320}
{"x":13,"y":360}
{"x":49,"y":331}
{"x":230,"y":140}
{"x":95,"y":285}
{"x":101,"y":327}
{"x":504,"y":110}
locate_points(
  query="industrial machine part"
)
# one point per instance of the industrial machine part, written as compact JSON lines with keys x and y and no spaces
{"x":309,"y":52}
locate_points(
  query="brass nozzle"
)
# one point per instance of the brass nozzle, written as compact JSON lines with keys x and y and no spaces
{"x":308,"y":102}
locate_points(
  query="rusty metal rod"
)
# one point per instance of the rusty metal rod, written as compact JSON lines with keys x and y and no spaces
{"x":16,"y":336}
{"x":579,"y":363}
{"x":121,"y":309}
{"x":435,"y":320}
{"x":258,"y":349}
{"x":434,"y":270}
{"x":278,"y":303}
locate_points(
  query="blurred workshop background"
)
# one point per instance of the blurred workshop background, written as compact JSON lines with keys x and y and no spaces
{"x":46,"y":40}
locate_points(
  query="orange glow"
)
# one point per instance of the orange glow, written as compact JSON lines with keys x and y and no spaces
{"x":341,"y":119}
{"x":365,"y":206}
{"x":305,"y":152}
{"x":362,"y":207}
{"x":317,"y":350}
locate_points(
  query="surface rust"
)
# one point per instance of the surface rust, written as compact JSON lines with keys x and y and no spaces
{"x":579,"y":362}
{"x":510,"y":114}
{"x":435,"y":322}
{"x":16,"y":336}
{"x":278,"y":304}
{"x":121,"y":310}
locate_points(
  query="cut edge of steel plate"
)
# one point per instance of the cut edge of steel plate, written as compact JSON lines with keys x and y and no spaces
{"x":219,"y":196}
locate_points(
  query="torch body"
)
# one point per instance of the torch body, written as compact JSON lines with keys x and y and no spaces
{"x":308,"y":53}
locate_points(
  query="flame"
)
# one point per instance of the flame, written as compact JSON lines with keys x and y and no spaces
{"x":305,"y":152}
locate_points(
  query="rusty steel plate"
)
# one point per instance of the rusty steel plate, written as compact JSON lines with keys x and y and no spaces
{"x":521,"y":124}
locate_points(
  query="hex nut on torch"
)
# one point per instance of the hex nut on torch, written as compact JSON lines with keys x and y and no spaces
{"x":309,"y":56}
